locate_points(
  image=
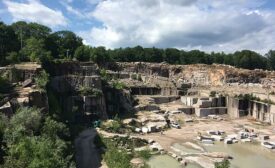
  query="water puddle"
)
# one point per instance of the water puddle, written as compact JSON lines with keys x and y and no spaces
{"x":246,"y":154}
{"x":163,"y":161}
{"x":185,"y":149}
{"x":250,"y":155}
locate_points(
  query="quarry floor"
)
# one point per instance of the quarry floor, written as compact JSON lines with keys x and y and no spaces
{"x":189,"y":131}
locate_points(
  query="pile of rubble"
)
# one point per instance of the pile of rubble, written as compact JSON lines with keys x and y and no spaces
{"x":25,"y":92}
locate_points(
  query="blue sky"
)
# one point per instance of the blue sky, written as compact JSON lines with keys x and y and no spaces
{"x":209,"y":25}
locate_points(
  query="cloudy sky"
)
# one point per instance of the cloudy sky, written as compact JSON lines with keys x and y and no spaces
{"x":209,"y":25}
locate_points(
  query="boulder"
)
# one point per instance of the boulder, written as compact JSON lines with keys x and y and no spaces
{"x":27,"y":83}
{"x":23,"y":101}
{"x":137,"y":162}
{"x":6,"y":109}
{"x":178,"y":158}
{"x":128,"y":121}
{"x":151,"y":141}
{"x":144,"y":129}
{"x":39,"y":99}
{"x":264,"y":137}
{"x":174,"y":155}
{"x":217,"y":155}
{"x":137,"y":130}
{"x":156,"y":147}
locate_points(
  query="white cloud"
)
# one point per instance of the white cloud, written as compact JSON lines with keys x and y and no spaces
{"x":226,"y":25}
{"x":35,"y":11}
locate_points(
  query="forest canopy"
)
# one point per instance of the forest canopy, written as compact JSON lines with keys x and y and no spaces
{"x":22,"y":41}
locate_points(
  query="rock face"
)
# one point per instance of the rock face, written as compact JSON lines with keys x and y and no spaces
{"x":197,"y":74}
{"x":137,"y":163}
{"x":24,"y":94}
{"x":20,"y":72}
{"x":79,"y":88}
{"x":69,"y":78}
{"x":6,"y":109}
{"x":39,"y":99}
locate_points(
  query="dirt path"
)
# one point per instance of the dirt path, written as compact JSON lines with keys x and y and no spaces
{"x":87,"y":155}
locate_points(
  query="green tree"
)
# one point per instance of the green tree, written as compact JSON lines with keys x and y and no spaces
{"x":8,"y":42}
{"x":65,"y":41}
{"x":139,"y":53}
{"x":195,"y":56}
{"x":271,"y":59}
{"x":12,"y":57}
{"x":39,"y":31}
{"x":42,"y":79}
{"x":82,"y":53}
{"x":37,"y":152}
{"x":53,"y":129}
{"x":100,"y":55}
{"x":34,"y":50}
{"x":172,"y":55}
{"x":26,"y":121}
{"x":26,"y":30}
{"x":32,"y":143}
{"x":249,"y":60}
{"x":3,"y":125}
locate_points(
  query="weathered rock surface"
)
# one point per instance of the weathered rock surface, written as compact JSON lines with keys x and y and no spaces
{"x":198,"y":74}
{"x":137,"y":162}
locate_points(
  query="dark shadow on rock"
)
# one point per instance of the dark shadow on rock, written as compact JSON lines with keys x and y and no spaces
{"x":87,"y":153}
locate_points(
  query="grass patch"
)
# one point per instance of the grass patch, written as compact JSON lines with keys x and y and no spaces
{"x":120,"y":150}
{"x":145,"y":154}
{"x":88,"y":91}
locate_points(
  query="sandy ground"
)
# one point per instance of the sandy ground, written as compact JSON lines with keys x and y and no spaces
{"x":190,"y":131}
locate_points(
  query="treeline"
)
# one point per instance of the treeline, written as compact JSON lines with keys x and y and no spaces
{"x":23,"y":41}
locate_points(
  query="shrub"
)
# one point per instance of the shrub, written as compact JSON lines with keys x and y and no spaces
{"x":88,"y":91}
{"x":134,"y":76}
{"x":111,"y":126}
{"x":104,"y":75}
{"x":26,"y":122}
{"x":213,"y":94}
{"x":223,"y":164}
{"x":145,"y":154}
{"x":118,"y":85}
{"x":12,"y":57}
{"x":85,"y":91}
{"x":3,"y":124}
{"x":42,"y":79}
{"x":117,"y":158}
